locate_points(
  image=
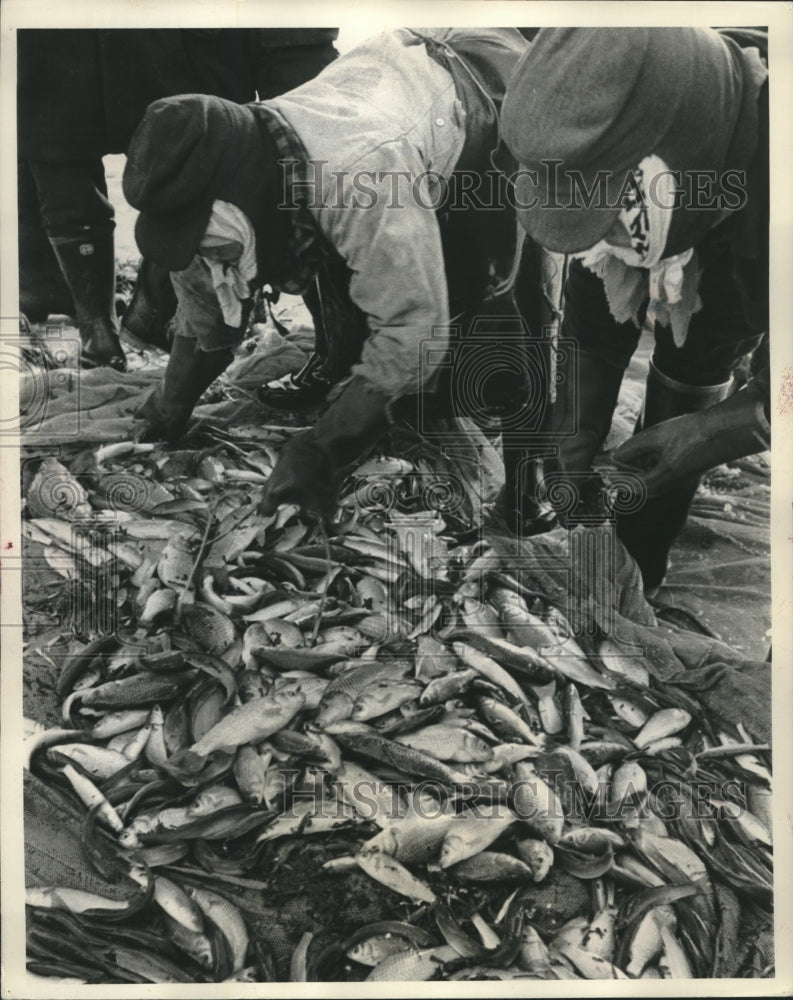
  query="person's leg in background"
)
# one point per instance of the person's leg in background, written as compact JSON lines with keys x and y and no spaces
{"x":683,"y":380}
{"x":202,"y":348}
{"x":42,"y":288}
{"x":596,"y":352}
{"x":79,"y":222}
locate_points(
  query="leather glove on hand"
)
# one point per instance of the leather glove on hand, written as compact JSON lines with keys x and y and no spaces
{"x":674,"y":452}
{"x":303,"y":475}
{"x":311,"y":466}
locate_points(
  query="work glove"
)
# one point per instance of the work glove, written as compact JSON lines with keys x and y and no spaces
{"x":672,"y":453}
{"x":312,"y":465}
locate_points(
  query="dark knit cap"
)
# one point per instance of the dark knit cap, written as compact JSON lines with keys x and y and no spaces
{"x":597,"y":101}
{"x":188,"y":151}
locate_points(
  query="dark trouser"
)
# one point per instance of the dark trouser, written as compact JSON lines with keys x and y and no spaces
{"x":42,"y":287}
{"x":718,"y":336}
{"x":682,"y":379}
{"x":72,"y":196}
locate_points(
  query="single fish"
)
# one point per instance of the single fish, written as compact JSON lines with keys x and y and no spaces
{"x":751,"y":826}
{"x":249,"y":772}
{"x":645,"y":945}
{"x":383,"y":696}
{"x":488,"y":667}
{"x":155,"y":750}
{"x":391,"y":873}
{"x":91,"y":797}
{"x":415,"y":839}
{"x":624,"y":665}
{"x":414,"y":965}
{"x":585,"y":774}
{"x":628,"y":710}
{"x":467,"y":836}
{"x":251,"y":722}
{"x":176,"y":563}
{"x":492,"y":866}
{"x":537,"y":668}
{"x":600,"y":936}
{"x":533,"y":954}
{"x":195,"y":945}
{"x":628,"y":784}
{"x":506,"y":723}
{"x":674,"y":859}
{"x":98,"y":761}
{"x":574,"y":716}
{"x":673,"y":963}
{"x":538,"y":856}
{"x":536,"y":803}
{"x":227,"y":917}
{"x":451,"y":685}
{"x":339,"y":697}
{"x":404,"y":758}
{"x":448,"y":743}
{"x":507,"y":754}
{"x":73,"y":900}
{"x":173,"y":900}
{"x":158,"y":602}
{"x":666,"y":722}
{"x":589,"y":965}
{"x":139,"y":689}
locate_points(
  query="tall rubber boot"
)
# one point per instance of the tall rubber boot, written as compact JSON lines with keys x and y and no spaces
{"x":42,"y":288}
{"x":524,"y":512}
{"x":165,"y":414}
{"x":579,"y":424}
{"x":152,"y":306}
{"x":89,"y":266}
{"x":648,"y":533}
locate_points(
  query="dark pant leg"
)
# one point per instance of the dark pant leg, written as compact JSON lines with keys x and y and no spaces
{"x":73,"y":197}
{"x":718,"y":335}
{"x":42,"y":288}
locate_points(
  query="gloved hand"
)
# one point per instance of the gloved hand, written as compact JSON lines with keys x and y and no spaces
{"x":311,"y":466}
{"x":674,"y":452}
{"x":304,"y":475}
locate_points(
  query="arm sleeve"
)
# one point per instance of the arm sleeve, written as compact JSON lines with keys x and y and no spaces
{"x":392,"y":245}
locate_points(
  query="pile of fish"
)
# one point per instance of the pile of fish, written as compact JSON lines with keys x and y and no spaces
{"x":382,"y":684}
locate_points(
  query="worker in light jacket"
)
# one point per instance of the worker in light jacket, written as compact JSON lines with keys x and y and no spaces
{"x":341,"y":186}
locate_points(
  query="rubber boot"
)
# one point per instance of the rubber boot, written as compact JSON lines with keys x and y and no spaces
{"x":89,"y":266}
{"x":579,"y":424}
{"x":648,"y":534}
{"x":165,"y":414}
{"x":339,"y":332}
{"x":524,"y":512}
{"x":152,"y":306}
{"x":42,"y":288}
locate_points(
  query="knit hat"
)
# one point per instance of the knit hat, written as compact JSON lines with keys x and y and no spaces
{"x":586,"y":105}
{"x":187,"y":152}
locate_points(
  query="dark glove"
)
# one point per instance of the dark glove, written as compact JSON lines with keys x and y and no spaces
{"x":674,"y":452}
{"x":311,"y":466}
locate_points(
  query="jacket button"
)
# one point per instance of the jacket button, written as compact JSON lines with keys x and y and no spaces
{"x":440,"y":121}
